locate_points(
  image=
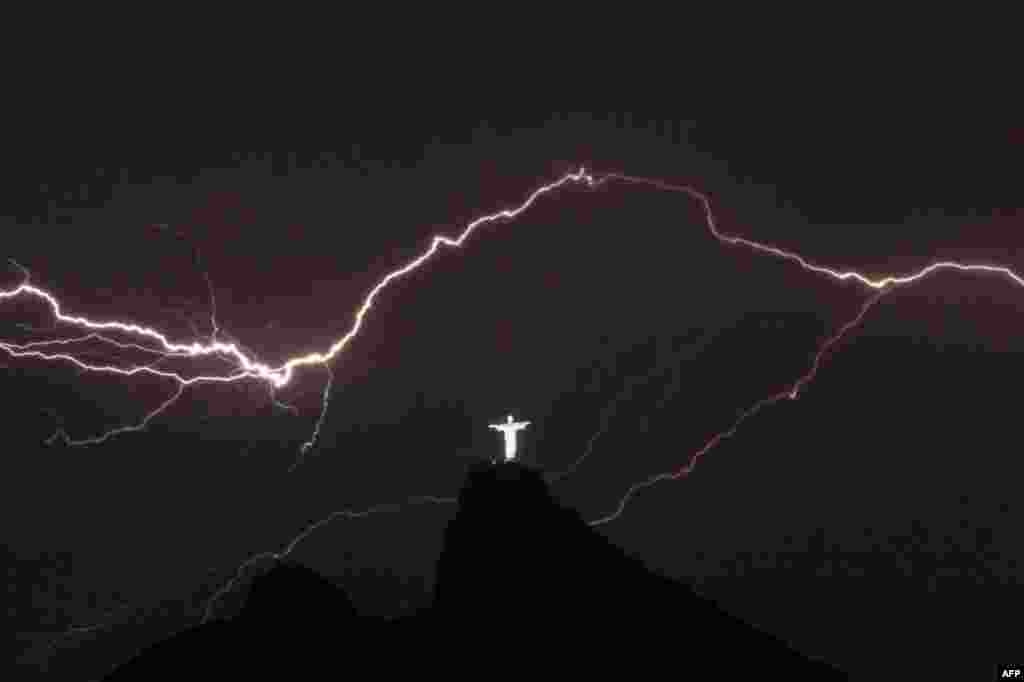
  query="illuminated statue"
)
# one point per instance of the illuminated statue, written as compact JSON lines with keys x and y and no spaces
{"x":510,"y":428}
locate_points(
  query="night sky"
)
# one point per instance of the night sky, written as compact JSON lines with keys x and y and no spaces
{"x":882,"y":504}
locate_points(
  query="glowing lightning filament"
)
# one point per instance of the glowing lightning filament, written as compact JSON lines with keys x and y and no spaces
{"x":246,"y":366}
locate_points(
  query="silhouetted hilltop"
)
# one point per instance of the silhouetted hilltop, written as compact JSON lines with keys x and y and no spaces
{"x":517,"y":567}
{"x":521,"y":581}
{"x":292,"y":617}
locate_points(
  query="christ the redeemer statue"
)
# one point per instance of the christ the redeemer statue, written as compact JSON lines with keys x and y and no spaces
{"x":509,"y":428}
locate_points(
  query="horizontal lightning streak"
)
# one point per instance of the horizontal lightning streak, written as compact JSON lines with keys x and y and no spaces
{"x":250,"y":368}
{"x":841,"y":275}
{"x":89,"y":337}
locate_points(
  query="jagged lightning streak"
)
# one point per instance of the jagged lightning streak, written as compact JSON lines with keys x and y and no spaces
{"x":246,"y":365}
{"x":290,"y":547}
{"x":792,"y":393}
{"x":325,"y":401}
{"x":881,"y":286}
{"x":14,"y":348}
{"x":61,"y":434}
{"x":625,"y":394}
{"x":840,"y":275}
{"x":277,"y":377}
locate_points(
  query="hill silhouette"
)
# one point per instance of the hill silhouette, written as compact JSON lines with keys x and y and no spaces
{"x":522,"y":583}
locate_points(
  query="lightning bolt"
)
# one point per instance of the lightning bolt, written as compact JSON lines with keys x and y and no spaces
{"x":609,"y":411}
{"x":245,"y":365}
{"x":290,"y":546}
{"x":248,"y":367}
{"x":792,"y":393}
{"x":279,"y":555}
{"x":879,"y":286}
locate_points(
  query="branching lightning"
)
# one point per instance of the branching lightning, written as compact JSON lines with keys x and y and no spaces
{"x":244,"y":365}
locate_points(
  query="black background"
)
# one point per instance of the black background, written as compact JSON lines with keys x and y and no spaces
{"x":876,"y":516}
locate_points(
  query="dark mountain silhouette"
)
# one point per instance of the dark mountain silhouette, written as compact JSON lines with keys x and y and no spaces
{"x":523,"y":584}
